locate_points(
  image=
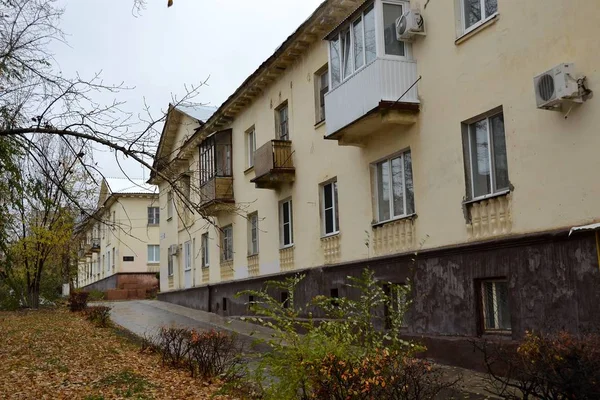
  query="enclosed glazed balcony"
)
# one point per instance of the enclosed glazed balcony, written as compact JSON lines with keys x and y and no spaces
{"x":216,"y":174}
{"x":373,"y":78}
{"x":273,"y":164}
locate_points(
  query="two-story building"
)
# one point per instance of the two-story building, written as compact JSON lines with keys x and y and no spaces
{"x":119,"y":242}
{"x":433,"y":160}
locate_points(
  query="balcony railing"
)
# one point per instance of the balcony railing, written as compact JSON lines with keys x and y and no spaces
{"x":273,"y":164}
{"x":216,"y":195}
{"x":368,"y":101}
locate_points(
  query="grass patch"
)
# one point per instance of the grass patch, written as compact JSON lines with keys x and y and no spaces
{"x":128,"y":384}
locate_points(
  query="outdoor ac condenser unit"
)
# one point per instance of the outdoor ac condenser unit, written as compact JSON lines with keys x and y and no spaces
{"x":410,"y":24}
{"x":556,"y":86}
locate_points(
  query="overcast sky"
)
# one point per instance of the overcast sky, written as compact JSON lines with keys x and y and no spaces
{"x":162,"y":49}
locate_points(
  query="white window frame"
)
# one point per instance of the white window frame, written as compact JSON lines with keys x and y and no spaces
{"x":253,"y":247}
{"x":205,"y":251}
{"x":114,"y":252}
{"x":227,"y":243}
{"x":483,"y":20}
{"x":323,"y":72}
{"x":153,"y":215}
{"x":334,"y":208}
{"x":278,"y":121}
{"x":170,"y":263}
{"x":494,"y":191}
{"x":282,"y":224}
{"x":153,"y":249}
{"x":187,"y":255}
{"x":391,"y":188}
{"x":250,"y":147}
{"x":170,"y":205}
{"x":107,"y":261}
{"x":482,"y":288}
{"x":379,"y":40}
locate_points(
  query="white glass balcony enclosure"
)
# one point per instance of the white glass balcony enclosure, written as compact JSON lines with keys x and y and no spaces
{"x":371,"y":73}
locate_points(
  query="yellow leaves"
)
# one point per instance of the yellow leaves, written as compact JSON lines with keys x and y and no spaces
{"x":59,"y":355}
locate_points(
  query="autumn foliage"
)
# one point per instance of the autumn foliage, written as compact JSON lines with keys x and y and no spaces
{"x":78,"y":300}
{"x":558,"y":366}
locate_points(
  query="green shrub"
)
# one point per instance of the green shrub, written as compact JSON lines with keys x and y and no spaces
{"x":78,"y":300}
{"x":99,"y":315}
{"x":343,"y":355}
{"x":96,"y":295}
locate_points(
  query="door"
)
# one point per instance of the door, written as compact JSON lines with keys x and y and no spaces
{"x":187,"y":257}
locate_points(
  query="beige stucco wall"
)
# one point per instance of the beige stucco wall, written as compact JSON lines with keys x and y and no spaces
{"x":130,"y":237}
{"x":551,"y":160}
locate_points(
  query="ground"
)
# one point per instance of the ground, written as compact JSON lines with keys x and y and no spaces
{"x":55,"y":354}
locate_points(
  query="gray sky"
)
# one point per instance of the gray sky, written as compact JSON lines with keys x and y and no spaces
{"x":163,"y":49}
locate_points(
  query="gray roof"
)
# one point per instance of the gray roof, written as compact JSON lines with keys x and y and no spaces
{"x":201,"y":113}
{"x":129,"y":186}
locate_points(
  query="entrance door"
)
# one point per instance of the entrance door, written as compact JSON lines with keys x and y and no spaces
{"x":187,"y":257}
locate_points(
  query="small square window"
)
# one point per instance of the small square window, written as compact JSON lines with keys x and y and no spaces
{"x":495,"y":305}
{"x":153,"y":253}
{"x":475,"y":12}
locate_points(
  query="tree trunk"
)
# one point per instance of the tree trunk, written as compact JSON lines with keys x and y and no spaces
{"x":33,"y":296}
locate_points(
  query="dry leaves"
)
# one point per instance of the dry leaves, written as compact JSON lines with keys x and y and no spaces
{"x":55,"y":354}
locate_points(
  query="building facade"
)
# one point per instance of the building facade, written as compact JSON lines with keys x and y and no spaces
{"x":120,"y":241}
{"x":425,"y":160}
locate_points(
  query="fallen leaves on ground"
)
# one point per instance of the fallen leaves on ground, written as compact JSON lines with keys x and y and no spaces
{"x":55,"y":354}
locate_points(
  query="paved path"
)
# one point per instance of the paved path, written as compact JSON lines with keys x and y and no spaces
{"x":146,"y":317}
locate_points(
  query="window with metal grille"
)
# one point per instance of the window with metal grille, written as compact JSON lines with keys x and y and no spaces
{"x":495,"y":305}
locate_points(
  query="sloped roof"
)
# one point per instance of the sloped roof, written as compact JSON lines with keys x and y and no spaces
{"x":129,"y":186}
{"x":201,"y":113}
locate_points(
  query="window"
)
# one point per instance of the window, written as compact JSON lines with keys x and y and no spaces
{"x":108,"y":260}
{"x":153,"y":215}
{"x":204,"y":244}
{"x":485,"y":153}
{"x":281,"y":117}
{"x":215,"y":156}
{"x":253,"y":234}
{"x":494,"y":303}
{"x":187,"y":255}
{"x":394,"y":183}
{"x":224,"y":303}
{"x":250,"y":146}
{"x":170,"y":204}
{"x":172,"y":251}
{"x":114,"y":218}
{"x":153,"y":253}
{"x":321,"y":89}
{"x":329,"y":208}
{"x":113,"y":258}
{"x":475,"y":12}
{"x":354,"y":46}
{"x":391,"y":12}
{"x":286,"y":224}
{"x":227,"y":244}
{"x":103,"y":262}
{"x":186,"y":186}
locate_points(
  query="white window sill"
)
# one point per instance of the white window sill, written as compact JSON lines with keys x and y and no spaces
{"x":252,"y":255}
{"x":389,"y":221}
{"x":320,"y":124}
{"x":289,"y":246}
{"x":487,"y":196}
{"x":327,"y":236}
{"x":248,"y":170}
{"x":205,"y":266}
{"x":478,"y":27}
{"x":153,"y":263}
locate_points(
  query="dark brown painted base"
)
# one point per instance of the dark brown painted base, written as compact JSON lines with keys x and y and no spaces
{"x":553,"y":284}
{"x":119,"y":280}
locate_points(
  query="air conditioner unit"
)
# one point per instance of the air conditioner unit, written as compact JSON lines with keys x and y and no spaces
{"x":173,"y":250}
{"x":410,"y":24}
{"x":556,"y":86}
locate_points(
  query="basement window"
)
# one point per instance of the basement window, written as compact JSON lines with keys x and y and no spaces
{"x":494,"y":305}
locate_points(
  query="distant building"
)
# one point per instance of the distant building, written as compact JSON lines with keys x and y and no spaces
{"x":431,"y":159}
{"x":120,"y":238}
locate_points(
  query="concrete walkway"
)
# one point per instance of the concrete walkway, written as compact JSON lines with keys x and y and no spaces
{"x":145,"y":318}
